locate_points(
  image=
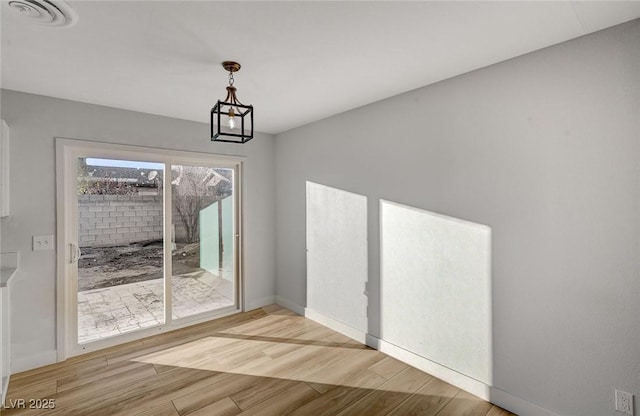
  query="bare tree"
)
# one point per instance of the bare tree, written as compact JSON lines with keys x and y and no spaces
{"x":193,"y":189}
{"x":189,"y":190}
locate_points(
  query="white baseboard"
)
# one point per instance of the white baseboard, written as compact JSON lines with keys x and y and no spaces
{"x":292,"y":306}
{"x":335,"y":325}
{"x":5,"y":389}
{"x":517,"y":405}
{"x":503,"y":399}
{"x":453,"y":377}
{"x":20,"y":364}
{"x":252,"y":304}
{"x":459,"y":380}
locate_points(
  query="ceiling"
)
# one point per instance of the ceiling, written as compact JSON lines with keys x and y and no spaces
{"x":301,"y":61}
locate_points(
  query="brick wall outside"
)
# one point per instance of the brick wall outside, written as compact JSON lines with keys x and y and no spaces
{"x":105,"y":220}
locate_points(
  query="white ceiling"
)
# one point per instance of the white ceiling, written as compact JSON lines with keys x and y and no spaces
{"x":301,"y":61}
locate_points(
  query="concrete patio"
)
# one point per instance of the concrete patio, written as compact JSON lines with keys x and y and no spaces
{"x":119,"y":309}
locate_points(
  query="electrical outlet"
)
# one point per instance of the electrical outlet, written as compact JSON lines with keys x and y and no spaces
{"x":624,"y":402}
{"x":43,"y":242}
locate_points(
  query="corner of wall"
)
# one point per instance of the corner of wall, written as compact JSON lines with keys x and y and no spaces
{"x":292,"y":306}
{"x":258,"y":303}
{"x":30,"y":362}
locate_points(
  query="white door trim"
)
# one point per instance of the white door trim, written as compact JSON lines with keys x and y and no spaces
{"x":67,"y":152}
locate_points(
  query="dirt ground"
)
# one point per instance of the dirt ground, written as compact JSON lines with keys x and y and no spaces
{"x":101,"y":267}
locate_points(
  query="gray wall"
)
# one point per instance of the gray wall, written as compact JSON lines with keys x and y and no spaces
{"x":34,"y":122}
{"x":105,"y":220}
{"x":545,"y":150}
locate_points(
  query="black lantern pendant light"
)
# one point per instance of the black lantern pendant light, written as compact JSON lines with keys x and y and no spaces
{"x":231,"y":121}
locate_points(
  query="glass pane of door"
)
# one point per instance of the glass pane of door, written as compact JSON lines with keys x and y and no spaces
{"x":120,"y":237}
{"x":203,"y":277}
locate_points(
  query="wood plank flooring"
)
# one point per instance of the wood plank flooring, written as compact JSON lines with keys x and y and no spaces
{"x":269,"y":361}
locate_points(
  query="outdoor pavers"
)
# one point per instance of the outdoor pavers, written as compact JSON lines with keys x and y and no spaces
{"x":119,"y":309}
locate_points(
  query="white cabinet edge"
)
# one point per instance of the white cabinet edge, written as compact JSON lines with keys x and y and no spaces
{"x":4,"y":170}
{"x":9,"y":266}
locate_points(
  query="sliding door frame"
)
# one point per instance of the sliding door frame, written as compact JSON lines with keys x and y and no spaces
{"x":67,"y":153}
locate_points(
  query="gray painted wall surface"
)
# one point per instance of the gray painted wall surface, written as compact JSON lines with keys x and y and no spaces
{"x":545,"y":150}
{"x":34,"y":122}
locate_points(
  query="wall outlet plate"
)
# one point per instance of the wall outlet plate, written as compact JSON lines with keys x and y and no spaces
{"x":43,"y":242}
{"x":624,"y":402}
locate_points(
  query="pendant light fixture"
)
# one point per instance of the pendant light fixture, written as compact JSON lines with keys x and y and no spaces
{"x":231,"y":121}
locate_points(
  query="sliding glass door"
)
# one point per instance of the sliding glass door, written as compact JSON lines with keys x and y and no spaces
{"x":151,"y":238}
{"x":120,"y":284}
{"x":202,"y":246}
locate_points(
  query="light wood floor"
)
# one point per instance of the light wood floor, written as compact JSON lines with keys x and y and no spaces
{"x":265,"y":362}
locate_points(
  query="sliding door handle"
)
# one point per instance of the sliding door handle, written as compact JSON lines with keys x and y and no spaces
{"x":76,"y":253}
